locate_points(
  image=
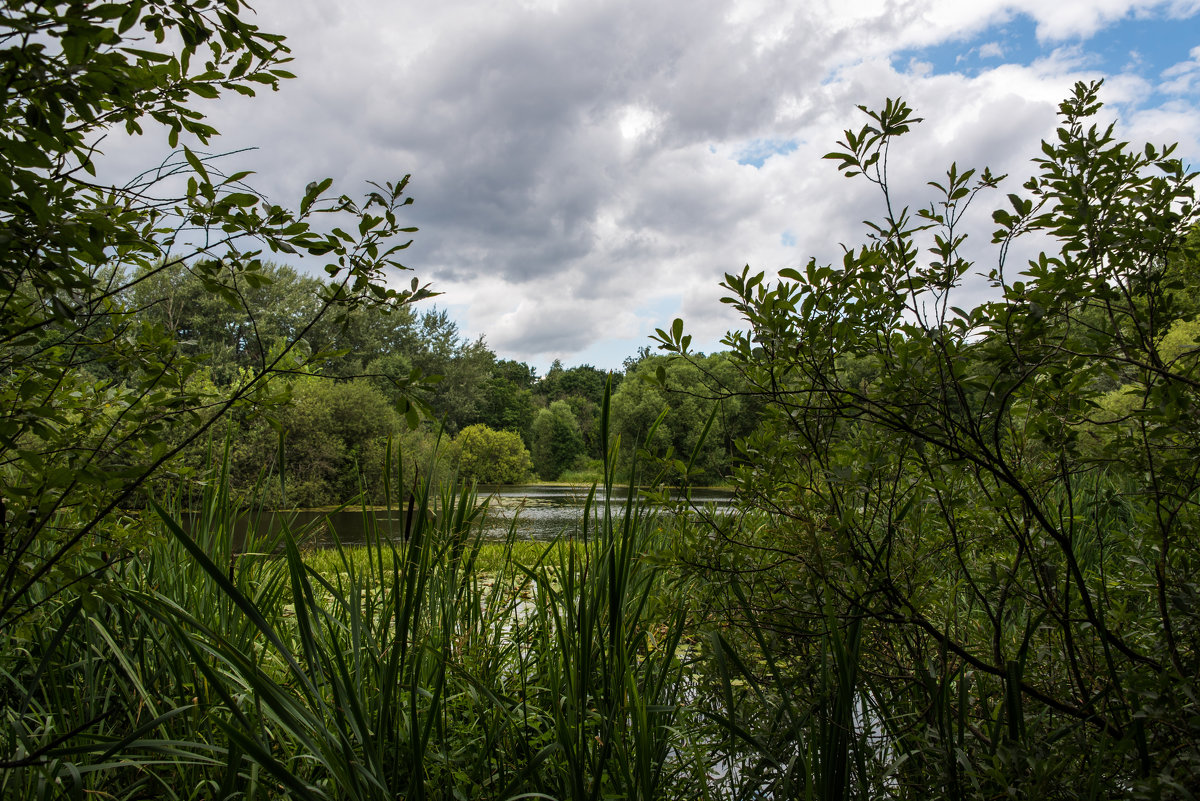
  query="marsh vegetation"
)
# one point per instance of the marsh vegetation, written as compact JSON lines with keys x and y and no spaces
{"x":961,"y":559}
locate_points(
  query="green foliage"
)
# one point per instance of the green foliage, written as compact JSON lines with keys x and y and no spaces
{"x":98,"y":399}
{"x":584,"y":382}
{"x":506,"y":406}
{"x":1004,"y":498}
{"x":95,"y":401}
{"x":425,"y":453}
{"x":492,"y":457}
{"x":461,"y":367}
{"x":332,"y":437}
{"x":583,"y":388}
{"x":685,"y":393}
{"x":557,"y":443}
{"x":519,"y":373}
{"x":964,"y":567}
{"x":421,"y":664}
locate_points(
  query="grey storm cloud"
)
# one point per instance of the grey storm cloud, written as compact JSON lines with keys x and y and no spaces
{"x":576,"y":164}
{"x":515,"y":128}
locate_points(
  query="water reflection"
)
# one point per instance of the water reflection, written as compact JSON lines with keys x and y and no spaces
{"x":543,"y":512}
{"x":540,"y":512}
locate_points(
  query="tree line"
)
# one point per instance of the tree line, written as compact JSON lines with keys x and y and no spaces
{"x":395,"y":375}
{"x":962,"y":563}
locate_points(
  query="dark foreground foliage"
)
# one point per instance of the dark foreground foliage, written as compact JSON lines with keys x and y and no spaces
{"x":964,"y":564}
{"x":992,"y":512}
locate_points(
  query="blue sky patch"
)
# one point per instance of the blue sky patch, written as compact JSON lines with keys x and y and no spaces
{"x":788,"y":239}
{"x":1013,"y":42}
{"x":757,"y":151}
{"x":1143,"y":47}
{"x":665,"y":307}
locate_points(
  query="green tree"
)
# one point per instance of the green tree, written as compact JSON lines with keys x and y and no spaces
{"x":390,"y":373}
{"x":1008,"y":573}
{"x":505,"y":406}
{"x":94,"y":401}
{"x":492,"y":457}
{"x":686,"y":392}
{"x":334,"y":436}
{"x":449,"y":373}
{"x":279,"y":309}
{"x":235,"y":331}
{"x":519,"y":373}
{"x":97,"y":398}
{"x":637,"y":405}
{"x":557,"y":443}
{"x":583,"y":388}
{"x":583,"y":381}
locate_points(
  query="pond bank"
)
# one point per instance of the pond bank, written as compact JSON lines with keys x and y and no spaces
{"x":538,"y":512}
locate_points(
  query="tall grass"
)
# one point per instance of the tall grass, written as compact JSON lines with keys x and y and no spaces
{"x":99,"y":699}
{"x":400,"y":669}
{"x":425,"y":663}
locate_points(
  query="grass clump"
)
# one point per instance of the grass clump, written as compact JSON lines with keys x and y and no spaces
{"x":425,"y":663}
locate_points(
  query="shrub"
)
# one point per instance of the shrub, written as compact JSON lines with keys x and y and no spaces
{"x":492,"y":457}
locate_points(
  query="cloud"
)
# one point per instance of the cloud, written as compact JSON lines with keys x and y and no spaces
{"x":1066,"y":20}
{"x":580,"y":167}
{"x":1183,"y":78}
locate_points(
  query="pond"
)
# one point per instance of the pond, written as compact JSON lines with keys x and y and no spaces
{"x":540,"y":512}
{"x":543,"y":511}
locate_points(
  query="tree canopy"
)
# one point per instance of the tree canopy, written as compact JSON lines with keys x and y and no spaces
{"x":99,"y":386}
{"x":992,"y":510}
{"x":492,"y":457}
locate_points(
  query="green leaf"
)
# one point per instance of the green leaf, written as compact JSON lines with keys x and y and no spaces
{"x":196,"y":164}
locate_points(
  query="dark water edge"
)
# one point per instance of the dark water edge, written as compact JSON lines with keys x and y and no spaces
{"x":543,"y":512}
{"x":533,"y":511}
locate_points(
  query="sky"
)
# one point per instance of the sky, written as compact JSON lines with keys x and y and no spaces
{"x":586,"y":171}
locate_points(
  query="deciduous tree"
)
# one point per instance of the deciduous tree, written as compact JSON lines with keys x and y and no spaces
{"x":492,"y":457}
{"x":557,"y":442}
{"x":88,"y":391}
{"x":949,"y":490}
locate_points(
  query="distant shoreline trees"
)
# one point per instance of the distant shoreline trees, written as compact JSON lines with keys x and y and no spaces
{"x":395,"y":361}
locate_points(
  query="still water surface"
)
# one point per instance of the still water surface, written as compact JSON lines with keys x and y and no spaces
{"x":535,"y":511}
{"x":543,"y":512}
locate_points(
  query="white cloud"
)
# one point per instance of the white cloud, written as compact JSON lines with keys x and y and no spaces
{"x":575,"y":164}
{"x":1183,"y":78}
{"x":1084,"y":18}
{"x":1174,"y":122}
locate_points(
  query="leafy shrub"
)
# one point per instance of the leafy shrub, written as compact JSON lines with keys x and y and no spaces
{"x":990,"y":512}
{"x":492,"y":457}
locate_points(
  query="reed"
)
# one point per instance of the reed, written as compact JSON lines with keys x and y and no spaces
{"x":423,"y":664}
